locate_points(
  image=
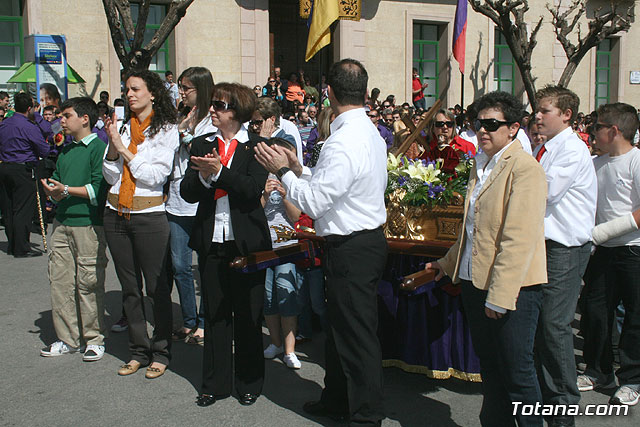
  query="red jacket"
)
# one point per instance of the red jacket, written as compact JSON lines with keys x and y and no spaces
{"x":451,"y":154}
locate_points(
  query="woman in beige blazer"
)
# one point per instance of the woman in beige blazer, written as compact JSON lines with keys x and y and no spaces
{"x":499,"y":259}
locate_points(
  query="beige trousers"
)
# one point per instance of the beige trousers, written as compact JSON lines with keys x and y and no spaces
{"x":77,"y":265}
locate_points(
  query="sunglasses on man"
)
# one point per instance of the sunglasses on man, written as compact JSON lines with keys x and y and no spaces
{"x":256,"y":122}
{"x":490,"y":125}
{"x":221,"y":105}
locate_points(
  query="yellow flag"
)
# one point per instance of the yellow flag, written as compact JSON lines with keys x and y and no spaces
{"x":325,"y":12}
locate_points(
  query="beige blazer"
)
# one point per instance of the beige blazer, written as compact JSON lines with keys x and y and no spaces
{"x":508,"y":247}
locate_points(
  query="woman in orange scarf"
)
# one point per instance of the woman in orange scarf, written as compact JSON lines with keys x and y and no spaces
{"x":137,"y":164}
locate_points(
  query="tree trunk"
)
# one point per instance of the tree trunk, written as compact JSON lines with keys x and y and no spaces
{"x":137,"y":60}
{"x":568,"y":71}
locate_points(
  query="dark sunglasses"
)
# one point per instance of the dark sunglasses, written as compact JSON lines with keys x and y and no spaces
{"x":256,"y":122}
{"x":220,"y":105}
{"x":599,"y":126}
{"x":490,"y":125}
{"x":441,"y":124}
{"x":272,"y":81}
{"x":372,"y":115}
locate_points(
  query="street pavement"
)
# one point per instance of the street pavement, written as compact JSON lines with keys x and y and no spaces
{"x":65,"y":391}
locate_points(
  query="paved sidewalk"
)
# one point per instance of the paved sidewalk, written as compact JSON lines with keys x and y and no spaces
{"x":65,"y":391}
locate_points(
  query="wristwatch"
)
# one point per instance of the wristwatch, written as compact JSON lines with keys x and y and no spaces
{"x":65,"y":192}
{"x":282,"y":171}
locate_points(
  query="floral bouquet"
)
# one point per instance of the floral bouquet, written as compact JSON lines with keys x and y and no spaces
{"x":422,"y":183}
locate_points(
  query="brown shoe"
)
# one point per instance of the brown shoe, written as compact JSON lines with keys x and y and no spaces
{"x":155,"y":371}
{"x":129,"y":368}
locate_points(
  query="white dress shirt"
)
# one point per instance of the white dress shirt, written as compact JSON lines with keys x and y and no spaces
{"x":346,"y":191}
{"x":573,"y":189}
{"x":484,"y":167}
{"x":223,"y":229}
{"x":150,"y":167}
{"x":524,"y":140}
{"x":176,"y":205}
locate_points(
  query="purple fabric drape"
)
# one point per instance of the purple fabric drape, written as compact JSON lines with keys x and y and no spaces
{"x":423,"y":331}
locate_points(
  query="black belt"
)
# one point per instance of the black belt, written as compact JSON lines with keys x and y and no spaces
{"x":337,"y":238}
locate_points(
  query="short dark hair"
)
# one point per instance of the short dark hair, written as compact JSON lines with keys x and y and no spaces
{"x":22,"y":102}
{"x":168,"y":73}
{"x":51,"y":108}
{"x":118,"y":102}
{"x":267,"y":107}
{"x":502,"y":101}
{"x":561,"y":98}
{"x":624,"y":116}
{"x":3,"y":94}
{"x":348,"y":80}
{"x":104,"y":92}
{"x":83,"y":105}
{"x":240,"y":97}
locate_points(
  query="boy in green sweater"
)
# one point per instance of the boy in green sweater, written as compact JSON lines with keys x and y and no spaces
{"x":78,"y":259}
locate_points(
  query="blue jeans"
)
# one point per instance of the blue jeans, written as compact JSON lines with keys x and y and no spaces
{"x":311,"y":297}
{"x":555,"y":358}
{"x":505,"y":349}
{"x":281,"y":292}
{"x":181,"y":258}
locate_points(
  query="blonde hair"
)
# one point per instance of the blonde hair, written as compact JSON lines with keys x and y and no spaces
{"x":324,"y":122}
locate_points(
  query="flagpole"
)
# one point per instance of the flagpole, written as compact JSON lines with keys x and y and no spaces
{"x":462,"y":90}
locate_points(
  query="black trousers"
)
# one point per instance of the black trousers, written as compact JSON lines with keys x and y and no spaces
{"x":139,"y":247}
{"x":353,"y":380}
{"x":233,"y":304}
{"x":19,"y":203}
{"x":613,"y":276}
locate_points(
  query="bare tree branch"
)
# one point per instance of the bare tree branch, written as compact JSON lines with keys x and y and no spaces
{"x":509,"y":18}
{"x":602,"y":25}
{"x":177,"y":10}
{"x":141,"y":23}
{"x":117,"y":37}
{"x":124,"y":10}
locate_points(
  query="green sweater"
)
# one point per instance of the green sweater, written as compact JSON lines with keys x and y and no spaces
{"x":80,"y":165}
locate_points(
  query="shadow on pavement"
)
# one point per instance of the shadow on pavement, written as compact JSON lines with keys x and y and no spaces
{"x":44,"y":327}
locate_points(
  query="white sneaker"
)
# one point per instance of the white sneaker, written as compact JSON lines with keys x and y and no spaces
{"x":58,"y":348}
{"x":588,"y":383}
{"x":626,"y":395}
{"x":272,"y":351}
{"x":292,"y":361}
{"x":93,"y":353}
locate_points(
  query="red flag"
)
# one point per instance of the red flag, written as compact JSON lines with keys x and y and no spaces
{"x":460,"y":33}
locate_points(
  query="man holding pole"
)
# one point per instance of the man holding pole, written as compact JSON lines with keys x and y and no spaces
{"x":21,"y":144}
{"x":345,"y":196}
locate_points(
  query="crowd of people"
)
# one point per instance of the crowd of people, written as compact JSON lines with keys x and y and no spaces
{"x":191,"y":165}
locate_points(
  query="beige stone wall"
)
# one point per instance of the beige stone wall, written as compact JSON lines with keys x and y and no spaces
{"x":230,"y":37}
{"x":387,"y":27}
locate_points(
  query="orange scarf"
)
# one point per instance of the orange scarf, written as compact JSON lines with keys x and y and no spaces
{"x":128,"y":183}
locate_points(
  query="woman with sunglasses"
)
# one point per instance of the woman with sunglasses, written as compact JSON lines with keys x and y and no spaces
{"x":137,"y":163}
{"x":272,"y":89}
{"x":227,"y":181}
{"x":444,"y":143}
{"x":500,"y":261}
{"x":195,"y":85}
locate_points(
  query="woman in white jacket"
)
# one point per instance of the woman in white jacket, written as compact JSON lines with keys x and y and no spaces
{"x":137,"y":164}
{"x":195,"y":86}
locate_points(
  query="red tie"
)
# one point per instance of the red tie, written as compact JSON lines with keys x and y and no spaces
{"x":540,"y":153}
{"x":224,"y":159}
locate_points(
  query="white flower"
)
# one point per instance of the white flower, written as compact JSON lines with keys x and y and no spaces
{"x":392,"y":162}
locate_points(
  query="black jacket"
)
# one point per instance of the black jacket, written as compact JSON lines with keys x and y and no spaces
{"x":244,"y":183}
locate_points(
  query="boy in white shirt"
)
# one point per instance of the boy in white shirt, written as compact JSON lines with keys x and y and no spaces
{"x":569,"y":219}
{"x":613,"y":274}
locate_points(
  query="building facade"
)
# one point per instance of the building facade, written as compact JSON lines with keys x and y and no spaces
{"x":242,"y":40}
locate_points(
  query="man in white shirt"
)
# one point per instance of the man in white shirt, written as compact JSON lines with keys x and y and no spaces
{"x":613,"y":274}
{"x":345,"y":196}
{"x":172,"y":87}
{"x":569,"y":219}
